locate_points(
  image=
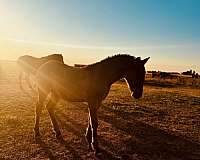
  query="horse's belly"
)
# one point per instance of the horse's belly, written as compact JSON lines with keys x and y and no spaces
{"x":71,"y":89}
{"x":73,"y":96}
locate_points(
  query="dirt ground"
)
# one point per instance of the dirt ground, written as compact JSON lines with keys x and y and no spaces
{"x":163,"y":125}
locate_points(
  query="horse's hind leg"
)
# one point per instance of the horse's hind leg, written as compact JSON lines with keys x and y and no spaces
{"x":50,"y":107}
{"x":38,"y":111}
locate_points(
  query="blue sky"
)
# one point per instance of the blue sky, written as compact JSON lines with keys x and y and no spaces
{"x":85,"y":31}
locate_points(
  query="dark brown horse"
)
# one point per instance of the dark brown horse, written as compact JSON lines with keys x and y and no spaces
{"x":29,"y":65}
{"x":89,"y":84}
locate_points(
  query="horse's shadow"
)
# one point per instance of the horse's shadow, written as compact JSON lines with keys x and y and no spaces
{"x":150,"y":141}
{"x":79,"y":129}
{"x":45,"y":148}
{"x":144,"y":140}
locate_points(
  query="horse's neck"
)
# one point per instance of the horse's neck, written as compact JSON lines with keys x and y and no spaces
{"x":112,"y":72}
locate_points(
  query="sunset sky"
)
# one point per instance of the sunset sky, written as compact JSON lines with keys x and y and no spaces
{"x":85,"y":31}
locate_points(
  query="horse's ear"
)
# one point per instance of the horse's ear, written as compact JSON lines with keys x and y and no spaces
{"x":145,"y":60}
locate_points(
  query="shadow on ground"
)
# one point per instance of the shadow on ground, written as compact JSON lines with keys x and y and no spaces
{"x":145,"y":141}
{"x":151,"y":142}
{"x":45,"y":148}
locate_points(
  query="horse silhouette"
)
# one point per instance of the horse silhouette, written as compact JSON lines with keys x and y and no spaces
{"x":89,"y":84}
{"x":29,"y":65}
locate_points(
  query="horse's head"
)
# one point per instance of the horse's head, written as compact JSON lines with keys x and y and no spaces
{"x":135,"y":76}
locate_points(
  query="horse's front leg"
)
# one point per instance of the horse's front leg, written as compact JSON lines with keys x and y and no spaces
{"x":93,"y":107}
{"x":89,"y":134}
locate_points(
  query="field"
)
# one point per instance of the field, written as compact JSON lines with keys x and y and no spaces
{"x":163,"y":125}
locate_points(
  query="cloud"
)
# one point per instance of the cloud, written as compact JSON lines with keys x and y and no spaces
{"x":137,"y":47}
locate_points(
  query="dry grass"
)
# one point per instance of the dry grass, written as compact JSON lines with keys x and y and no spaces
{"x":163,"y":125}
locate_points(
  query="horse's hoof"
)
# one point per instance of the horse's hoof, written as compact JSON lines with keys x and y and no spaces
{"x":98,"y":154}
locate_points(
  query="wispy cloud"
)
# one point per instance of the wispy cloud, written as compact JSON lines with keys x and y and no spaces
{"x":77,"y":46}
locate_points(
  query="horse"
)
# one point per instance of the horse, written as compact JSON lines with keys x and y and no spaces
{"x":90,"y":84}
{"x":29,"y":65}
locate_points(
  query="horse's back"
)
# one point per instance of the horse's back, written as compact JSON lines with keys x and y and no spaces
{"x":28,"y":63}
{"x":50,"y":70}
{"x":56,"y":70}
{"x":68,"y":82}
{"x":51,"y":65}
{"x":31,"y":64}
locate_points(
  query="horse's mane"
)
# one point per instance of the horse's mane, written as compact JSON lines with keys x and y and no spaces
{"x":114,"y":57}
{"x":117,"y":56}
